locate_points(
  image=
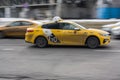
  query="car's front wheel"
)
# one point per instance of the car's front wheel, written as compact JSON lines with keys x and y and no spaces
{"x":92,"y":42}
{"x":41,"y":42}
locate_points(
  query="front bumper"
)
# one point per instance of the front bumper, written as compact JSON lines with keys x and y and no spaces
{"x":105,"y":40}
{"x":116,"y":34}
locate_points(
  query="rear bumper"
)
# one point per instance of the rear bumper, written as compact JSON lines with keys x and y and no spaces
{"x":29,"y":38}
{"x":27,"y":41}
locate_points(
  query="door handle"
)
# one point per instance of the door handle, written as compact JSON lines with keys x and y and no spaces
{"x":58,"y":31}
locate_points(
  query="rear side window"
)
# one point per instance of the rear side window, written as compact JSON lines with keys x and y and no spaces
{"x":17,"y":23}
{"x":51,"y":26}
{"x":67,"y":26}
{"x":25,"y":23}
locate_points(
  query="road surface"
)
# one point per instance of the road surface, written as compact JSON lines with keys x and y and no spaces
{"x":23,"y":61}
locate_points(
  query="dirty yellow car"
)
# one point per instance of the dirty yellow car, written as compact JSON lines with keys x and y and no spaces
{"x":66,"y":33}
{"x":16,"y":28}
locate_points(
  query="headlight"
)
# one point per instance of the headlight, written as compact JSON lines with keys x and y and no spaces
{"x":104,"y":34}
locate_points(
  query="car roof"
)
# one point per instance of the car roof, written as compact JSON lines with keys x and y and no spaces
{"x":50,"y":22}
{"x":28,"y":20}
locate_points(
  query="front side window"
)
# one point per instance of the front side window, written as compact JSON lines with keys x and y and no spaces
{"x":67,"y":26}
{"x":51,"y":26}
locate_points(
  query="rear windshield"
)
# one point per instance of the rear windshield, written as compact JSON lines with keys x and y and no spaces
{"x":4,"y":22}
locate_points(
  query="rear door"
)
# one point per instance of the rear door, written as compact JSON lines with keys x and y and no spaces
{"x":53,"y":33}
{"x":24,"y":26}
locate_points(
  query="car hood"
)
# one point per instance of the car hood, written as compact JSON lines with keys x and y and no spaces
{"x":111,"y":25}
{"x":116,"y":28}
{"x":97,"y":30}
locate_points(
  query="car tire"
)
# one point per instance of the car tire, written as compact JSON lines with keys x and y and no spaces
{"x":41,"y":42}
{"x":1,"y":35}
{"x":92,"y":42}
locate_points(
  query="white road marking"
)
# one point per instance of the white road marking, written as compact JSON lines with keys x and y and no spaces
{"x":8,"y":49}
{"x":117,"y":51}
{"x":12,"y":44}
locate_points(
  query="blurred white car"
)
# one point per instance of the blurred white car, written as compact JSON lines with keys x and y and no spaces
{"x":109,"y":27}
{"x":116,"y":32}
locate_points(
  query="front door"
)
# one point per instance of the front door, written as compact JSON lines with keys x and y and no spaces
{"x":70,"y":36}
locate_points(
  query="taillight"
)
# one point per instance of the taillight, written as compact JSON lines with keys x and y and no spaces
{"x":30,"y":30}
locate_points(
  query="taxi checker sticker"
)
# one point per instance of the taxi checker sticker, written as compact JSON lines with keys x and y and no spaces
{"x":50,"y":36}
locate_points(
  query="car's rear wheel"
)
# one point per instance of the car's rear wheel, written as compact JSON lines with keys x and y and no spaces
{"x":1,"y":35}
{"x":41,"y":42}
{"x":92,"y":42}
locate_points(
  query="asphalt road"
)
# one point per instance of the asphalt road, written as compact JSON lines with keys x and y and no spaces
{"x":23,"y":61}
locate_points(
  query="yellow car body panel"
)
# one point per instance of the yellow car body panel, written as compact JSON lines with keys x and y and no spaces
{"x":67,"y":37}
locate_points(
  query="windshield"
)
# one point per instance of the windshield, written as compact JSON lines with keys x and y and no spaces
{"x":76,"y":24}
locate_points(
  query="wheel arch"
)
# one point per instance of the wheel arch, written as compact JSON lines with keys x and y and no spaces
{"x":3,"y":34}
{"x":92,"y":36}
{"x":40,"y":36}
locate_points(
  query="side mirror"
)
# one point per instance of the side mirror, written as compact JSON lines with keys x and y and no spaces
{"x":76,"y":29}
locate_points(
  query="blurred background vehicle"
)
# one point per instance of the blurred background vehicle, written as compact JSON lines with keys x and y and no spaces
{"x":16,"y":28}
{"x":116,"y":32}
{"x":109,"y":27}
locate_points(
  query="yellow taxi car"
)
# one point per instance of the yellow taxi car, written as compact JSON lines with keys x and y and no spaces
{"x":16,"y":28}
{"x":63,"y":32}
